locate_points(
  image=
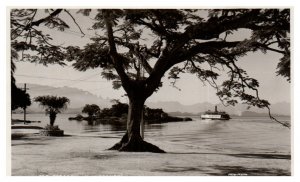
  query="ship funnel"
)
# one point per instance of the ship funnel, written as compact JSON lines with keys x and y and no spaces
{"x":216,"y":110}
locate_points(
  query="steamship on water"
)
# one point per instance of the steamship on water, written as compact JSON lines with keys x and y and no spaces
{"x":215,"y":115}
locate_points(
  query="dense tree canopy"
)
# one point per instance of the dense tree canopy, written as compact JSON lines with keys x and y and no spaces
{"x":91,"y":109}
{"x":19,"y":97}
{"x":136,"y":47}
{"x":148,"y":38}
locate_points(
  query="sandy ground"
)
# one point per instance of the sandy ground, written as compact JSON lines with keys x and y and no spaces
{"x":85,"y":155}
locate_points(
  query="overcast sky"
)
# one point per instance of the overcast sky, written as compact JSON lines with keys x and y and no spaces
{"x":258,"y":65}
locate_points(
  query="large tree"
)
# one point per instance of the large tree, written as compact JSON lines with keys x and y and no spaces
{"x":136,"y":48}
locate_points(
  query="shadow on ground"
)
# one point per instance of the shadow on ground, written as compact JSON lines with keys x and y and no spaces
{"x":92,"y":155}
{"x":175,"y":169}
{"x":30,"y":143}
{"x":226,"y":170}
{"x":31,"y":139}
{"x":243,"y":155}
{"x":262,"y":156}
{"x":243,"y":171}
{"x":33,"y":136}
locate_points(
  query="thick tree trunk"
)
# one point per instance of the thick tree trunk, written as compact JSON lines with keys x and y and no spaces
{"x":132,"y":140}
{"x":137,"y":93}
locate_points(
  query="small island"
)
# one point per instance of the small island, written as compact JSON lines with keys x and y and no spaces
{"x":118,"y":114}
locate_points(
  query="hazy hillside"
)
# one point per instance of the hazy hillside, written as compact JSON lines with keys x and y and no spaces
{"x":282,"y":108}
{"x":77,"y":97}
{"x":80,"y":97}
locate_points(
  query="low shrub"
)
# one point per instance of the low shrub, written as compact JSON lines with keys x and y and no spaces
{"x":52,"y":128}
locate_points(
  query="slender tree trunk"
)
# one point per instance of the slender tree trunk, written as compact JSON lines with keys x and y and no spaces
{"x":132,"y":140}
{"x":52,"y":118}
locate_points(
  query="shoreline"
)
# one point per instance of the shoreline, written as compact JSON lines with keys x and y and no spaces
{"x":20,"y":121}
{"x":195,"y":148}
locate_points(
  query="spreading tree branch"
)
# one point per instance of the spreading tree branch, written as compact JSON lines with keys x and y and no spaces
{"x":75,"y":22}
{"x":116,"y":58}
{"x":38,"y":22}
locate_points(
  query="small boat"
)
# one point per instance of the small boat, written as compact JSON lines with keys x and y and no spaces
{"x":215,"y":115}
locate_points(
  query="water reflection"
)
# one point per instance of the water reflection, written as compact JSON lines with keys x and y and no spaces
{"x":98,"y":125}
{"x":154,"y":126}
{"x":213,"y":125}
{"x":102,"y":125}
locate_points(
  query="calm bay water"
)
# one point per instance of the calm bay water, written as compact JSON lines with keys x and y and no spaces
{"x":247,"y":135}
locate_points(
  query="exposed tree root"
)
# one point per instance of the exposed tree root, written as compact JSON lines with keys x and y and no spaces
{"x":135,"y":144}
{"x":118,"y":145}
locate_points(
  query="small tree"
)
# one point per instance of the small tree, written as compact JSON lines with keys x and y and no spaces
{"x":53,"y":105}
{"x":19,"y":98}
{"x":91,"y":110}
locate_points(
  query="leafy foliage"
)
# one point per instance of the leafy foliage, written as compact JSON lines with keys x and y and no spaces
{"x":52,"y":102}
{"x":91,"y":109}
{"x":118,"y":109}
{"x":152,"y":114}
{"x":92,"y":56}
{"x":34,"y":45}
{"x":138,"y":46}
{"x":53,"y":105}
{"x":51,"y":128}
{"x":19,"y":98}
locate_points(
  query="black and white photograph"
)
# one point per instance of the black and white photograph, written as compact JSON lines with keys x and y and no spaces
{"x":150,"y":91}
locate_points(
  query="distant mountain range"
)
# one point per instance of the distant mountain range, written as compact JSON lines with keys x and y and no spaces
{"x":77,"y":97}
{"x":282,"y":108}
{"x":80,"y":97}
